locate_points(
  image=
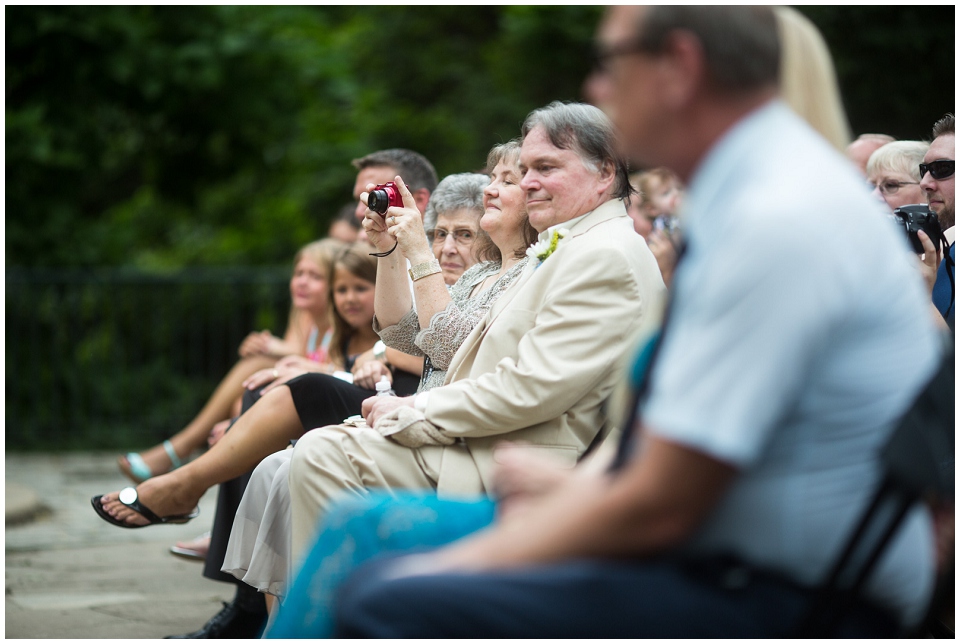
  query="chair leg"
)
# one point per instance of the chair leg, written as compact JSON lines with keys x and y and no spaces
{"x":838,"y":591}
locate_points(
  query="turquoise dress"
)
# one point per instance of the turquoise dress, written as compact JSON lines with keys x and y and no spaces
{"x":357,"y":530}
{"x":360,"y":529}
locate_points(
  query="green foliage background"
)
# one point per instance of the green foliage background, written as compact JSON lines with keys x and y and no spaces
{"x":166,"y":136}
{"x":146,"y":147}
{"x":160,"y":137}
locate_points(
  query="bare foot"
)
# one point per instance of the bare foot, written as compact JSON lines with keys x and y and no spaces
{"x":164,"y":495}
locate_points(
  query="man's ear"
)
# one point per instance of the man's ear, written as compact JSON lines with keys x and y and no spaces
{"x":682,"y":68}
{"x":608,"y":175}
{"x":421,"y":196}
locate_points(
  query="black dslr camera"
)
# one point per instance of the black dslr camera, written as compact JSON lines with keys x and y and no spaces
{"x":916,"y":217}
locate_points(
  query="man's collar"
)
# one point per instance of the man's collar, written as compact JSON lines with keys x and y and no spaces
{"x":578,"y":225}
{"x":548,"y":233}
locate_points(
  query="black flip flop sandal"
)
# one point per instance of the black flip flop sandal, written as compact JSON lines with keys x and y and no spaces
{"x":128,"y":496}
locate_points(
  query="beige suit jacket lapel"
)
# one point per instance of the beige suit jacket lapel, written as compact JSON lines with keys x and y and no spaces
{"x":603,"y":212}
{"x":507,"y":297}
{"x":463,"y":359}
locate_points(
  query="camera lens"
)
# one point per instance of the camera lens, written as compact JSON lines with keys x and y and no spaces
{"x":377,"y":201}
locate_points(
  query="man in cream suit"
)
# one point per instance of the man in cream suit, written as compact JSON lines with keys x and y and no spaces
{"x":539,"y":368}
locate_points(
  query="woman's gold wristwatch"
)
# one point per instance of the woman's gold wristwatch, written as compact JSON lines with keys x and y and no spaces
{"x":425,"y":269}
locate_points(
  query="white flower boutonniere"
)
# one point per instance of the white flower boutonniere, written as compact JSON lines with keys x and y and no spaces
{"x":544,"y":248}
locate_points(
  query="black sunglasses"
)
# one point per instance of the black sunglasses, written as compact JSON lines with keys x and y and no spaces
{"x":937,"y":169}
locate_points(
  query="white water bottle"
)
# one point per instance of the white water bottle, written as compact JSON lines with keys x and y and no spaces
{"x":384,"y":388}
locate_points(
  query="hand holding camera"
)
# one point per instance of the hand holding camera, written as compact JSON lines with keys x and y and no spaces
{"x":930,"y":260}
{"x":913,"y":219}
{"x":377,"y":199}
{"x":394,"y":218}
{"x":383,"y":196}
{"x":668,"y":226}
{"x":924,"y":234}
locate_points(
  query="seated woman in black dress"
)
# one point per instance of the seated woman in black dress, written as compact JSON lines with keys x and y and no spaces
{"x":258,"y":432}
{"x":307,"y":328}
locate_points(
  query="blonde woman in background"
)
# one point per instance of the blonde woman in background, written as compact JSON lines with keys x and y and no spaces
{"x":306,"y":330}
{"x":350,"y":296}
{"x":808,"y":79}
{"x":808,"y":85}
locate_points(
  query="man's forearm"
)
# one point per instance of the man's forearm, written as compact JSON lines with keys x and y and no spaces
{"x":655,"y":503}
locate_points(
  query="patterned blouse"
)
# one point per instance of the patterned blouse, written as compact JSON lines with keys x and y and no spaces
{"x":451,"y":326}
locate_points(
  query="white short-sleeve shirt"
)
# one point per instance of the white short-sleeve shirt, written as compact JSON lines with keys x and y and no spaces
{"x":800,"y":332}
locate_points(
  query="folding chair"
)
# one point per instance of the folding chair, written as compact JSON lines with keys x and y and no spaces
{"x":912,"y":462}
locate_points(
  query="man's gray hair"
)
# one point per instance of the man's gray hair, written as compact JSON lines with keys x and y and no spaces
{"x":588,"y":132}
{"x":417,"y":172}
{"x":455,"y":192}
{"x":900,"y":156}
{"x":741,"y":47}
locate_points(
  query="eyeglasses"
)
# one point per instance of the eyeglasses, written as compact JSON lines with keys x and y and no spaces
{"x":602,"y":55}
{"x":462,"y":237}
{"x":890,"y":187}
{"x":937,"y":169}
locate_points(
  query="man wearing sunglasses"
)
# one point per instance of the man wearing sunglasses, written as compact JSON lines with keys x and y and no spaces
{"x":936,"y":181}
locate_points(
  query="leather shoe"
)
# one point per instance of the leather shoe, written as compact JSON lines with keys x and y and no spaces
{"x":230,"y":623}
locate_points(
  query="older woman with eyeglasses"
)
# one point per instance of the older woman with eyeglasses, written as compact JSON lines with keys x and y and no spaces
{"x":452,"y":226}
{"x":452,"y":239}
{"x":893,"y":172}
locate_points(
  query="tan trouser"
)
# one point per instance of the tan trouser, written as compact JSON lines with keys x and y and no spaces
{"x":330,"y":462}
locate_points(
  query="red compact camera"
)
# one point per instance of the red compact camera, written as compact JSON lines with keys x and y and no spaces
{"x":384,"y":196}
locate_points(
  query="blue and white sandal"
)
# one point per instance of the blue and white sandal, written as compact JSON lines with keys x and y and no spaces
{"x":138,"y":471}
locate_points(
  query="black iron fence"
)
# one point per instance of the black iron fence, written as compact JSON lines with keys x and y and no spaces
{"x":122,"y":359}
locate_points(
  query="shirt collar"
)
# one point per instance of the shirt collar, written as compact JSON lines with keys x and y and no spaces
{"x":951,"y":234}
{"x":548,"y":233}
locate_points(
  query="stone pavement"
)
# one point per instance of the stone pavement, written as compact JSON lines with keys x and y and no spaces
{"x":70,"y":574}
